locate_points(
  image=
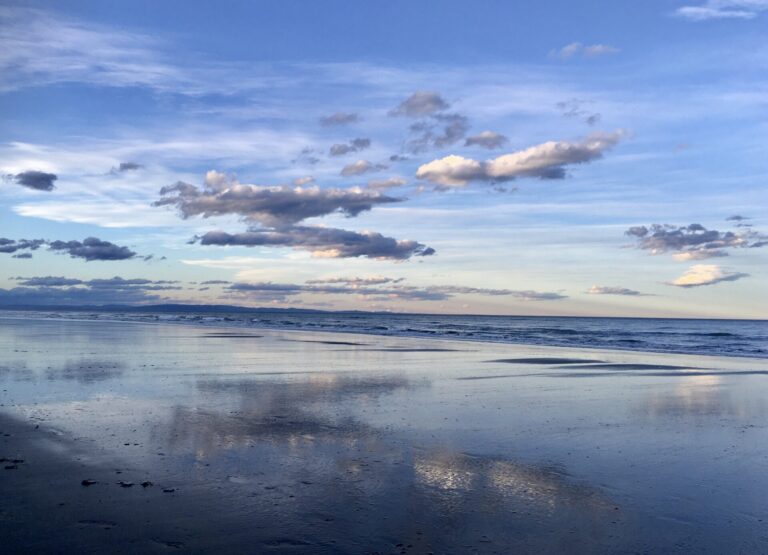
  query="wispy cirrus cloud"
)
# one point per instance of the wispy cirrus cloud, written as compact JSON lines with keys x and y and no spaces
{"x":723,"y":9}
{"x":578,"y":49}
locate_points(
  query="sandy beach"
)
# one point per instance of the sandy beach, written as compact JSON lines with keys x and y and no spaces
{"x":140,"y":438}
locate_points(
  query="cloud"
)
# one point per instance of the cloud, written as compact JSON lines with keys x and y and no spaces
{"x":215,"y":282}
{"x":33,"y":179}
{"x":378,"y":288}
{"x":439,"y":131}
{"x":91,"y":249}
{"x":272,"y":206}
{"x":545,"y":161}
{"x":339,"y":118}
{"x":356,"y":281}
{"x":360,"y":167}
{"x":577,"y":49}
{"x":355,"y":145}
{"x":736,"y":218}
{"x":63,"y":291}
{"x":487,"y":139}
{"x":389,"y":183}
{"x":606,"y":290}
{"x":574,"y":108}
{"x":128,"y":166}
{"x":419,"y":104}
{"x":705,"y":274}
{"x":49,"y":281}
{"x":306,"y":180}
{"x":723,"y":9}
{"x":323,"y":242}
{"x":22,"y":255}
{"x":8,"y":246}
{"x":693,"y":241}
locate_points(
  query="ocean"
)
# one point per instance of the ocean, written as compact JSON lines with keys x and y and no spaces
{"x":736,"y":338}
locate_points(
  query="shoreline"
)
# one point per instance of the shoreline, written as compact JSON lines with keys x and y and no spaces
{"x":255,"y":326}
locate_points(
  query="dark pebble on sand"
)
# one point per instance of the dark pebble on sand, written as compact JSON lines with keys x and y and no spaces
{"x":88,"y":482}
{"x":146,"y":484}
{"x":169,"y":490}
{"x":125,"y":484}
{"x":11,"y":467}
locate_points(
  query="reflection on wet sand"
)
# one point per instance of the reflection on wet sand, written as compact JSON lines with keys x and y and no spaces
{"x":298,"y":445}
{"x":699,"y":396}
{"x":278,"y":410}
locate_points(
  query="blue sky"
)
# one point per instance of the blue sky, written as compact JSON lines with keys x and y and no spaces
{"x":592,"y":158}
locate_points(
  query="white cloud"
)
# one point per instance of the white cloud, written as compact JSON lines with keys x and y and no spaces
{"x":577,"y":49}
{"x":545,"y":161}
{"x":705,"y":274}
{"x":723,"y":9}
{"x":105,"y":213}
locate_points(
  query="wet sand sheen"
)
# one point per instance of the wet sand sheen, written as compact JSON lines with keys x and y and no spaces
{"x":325,"y":443}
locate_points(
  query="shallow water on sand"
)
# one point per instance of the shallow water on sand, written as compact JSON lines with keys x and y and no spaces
{"x":265,"y":441}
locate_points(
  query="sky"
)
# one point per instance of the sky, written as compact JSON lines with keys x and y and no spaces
{"x":592,"y":158}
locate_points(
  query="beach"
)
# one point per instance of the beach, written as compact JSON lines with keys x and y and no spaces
{"x":134,"y":437}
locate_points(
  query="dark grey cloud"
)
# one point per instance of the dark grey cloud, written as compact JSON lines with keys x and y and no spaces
{"x":269,"y":205}
{"x":33,"y":179}
{"x":398,"y":158}
{"x":339,"y":118}
{"x":378,"y":289}
{"x":129,"y":166}
{"x":355,"y":145}
{"x":49,"y":281}
{"x":693,"y":241}
{"x":91,"y":249}
{"x":419,"y":104}
{"x":545,"y":161}
{"x":8,"y":246}
{"x":736,"y":218}
{"x":608,"y":290}
{"x":323,"y":242}
{"x":487,"y":139}
{"x":63,"y":291}
{"x":22,"y":255}
{"x":215,"y":282}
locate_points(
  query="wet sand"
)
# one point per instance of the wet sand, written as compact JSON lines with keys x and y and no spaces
{"x":201,"y":439}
